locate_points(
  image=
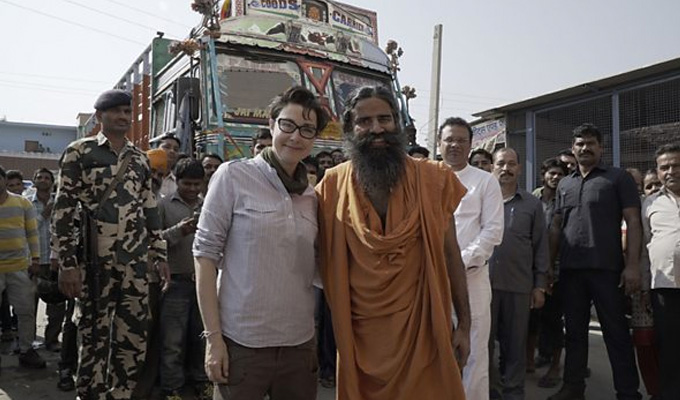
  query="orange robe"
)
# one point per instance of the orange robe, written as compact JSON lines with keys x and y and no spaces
{"x":389,"y":292}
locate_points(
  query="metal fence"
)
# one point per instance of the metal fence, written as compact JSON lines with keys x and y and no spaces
{"x":649,"y":117}
{"x":634,"y":121}
{"x":516,"y":137}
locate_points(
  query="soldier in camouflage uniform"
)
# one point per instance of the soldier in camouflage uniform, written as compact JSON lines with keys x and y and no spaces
{"x":112,"y":343}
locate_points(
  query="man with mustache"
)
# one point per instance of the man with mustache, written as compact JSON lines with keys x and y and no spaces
{"x":518,"y":270}
{"x":661,"y":222}
{"x":112,"y":321}
{"x":390,"y":262}
{"x":586,"y":233}
{"x":479,"y":227}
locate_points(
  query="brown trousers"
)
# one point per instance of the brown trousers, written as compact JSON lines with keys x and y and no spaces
{"x":285,"y":373}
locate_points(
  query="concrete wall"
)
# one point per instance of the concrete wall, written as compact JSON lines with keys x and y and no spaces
{"x":51,"y":139}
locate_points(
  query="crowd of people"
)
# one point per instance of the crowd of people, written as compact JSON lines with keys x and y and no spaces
{"x":369,"y":268}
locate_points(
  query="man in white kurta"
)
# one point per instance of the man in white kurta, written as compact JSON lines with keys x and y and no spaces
{"x":479,"y":228}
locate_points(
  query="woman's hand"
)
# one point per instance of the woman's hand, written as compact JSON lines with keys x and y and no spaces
{"x":216,"y":359}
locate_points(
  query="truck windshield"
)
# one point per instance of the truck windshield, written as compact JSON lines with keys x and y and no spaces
{"x":345,"y":82}
{"x":247,"y":86}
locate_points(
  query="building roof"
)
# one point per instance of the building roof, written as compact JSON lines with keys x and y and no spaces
{"x":592,"y":87}
{"x":36,"y":125}
{"x":29,"y":154}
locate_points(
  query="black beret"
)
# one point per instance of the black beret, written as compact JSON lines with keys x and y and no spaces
{"x":112,"y":98}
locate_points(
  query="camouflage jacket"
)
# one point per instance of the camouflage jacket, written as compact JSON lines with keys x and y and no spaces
{"x":128,"y":222}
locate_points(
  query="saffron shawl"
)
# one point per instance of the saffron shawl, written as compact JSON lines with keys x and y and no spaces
{"x":389,"y":291}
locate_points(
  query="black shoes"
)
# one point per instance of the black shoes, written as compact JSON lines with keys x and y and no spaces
{"x":31,"y":359}
{"x":66,"y":383}
{"x":569,"y":393}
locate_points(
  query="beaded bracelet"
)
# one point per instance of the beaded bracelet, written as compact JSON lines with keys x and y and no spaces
{"x":207,"y":334}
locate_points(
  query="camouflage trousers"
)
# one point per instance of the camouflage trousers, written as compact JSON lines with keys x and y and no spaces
{"x":112,"y":345}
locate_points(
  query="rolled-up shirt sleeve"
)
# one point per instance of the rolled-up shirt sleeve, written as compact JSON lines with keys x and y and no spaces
{"x":216,"y":215}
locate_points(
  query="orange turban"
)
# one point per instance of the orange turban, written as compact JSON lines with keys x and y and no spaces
{"x":158,"y":159}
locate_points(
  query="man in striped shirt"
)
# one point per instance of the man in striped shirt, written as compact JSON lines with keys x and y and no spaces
{"x":18,"y":231}
{"x":43,"y":201}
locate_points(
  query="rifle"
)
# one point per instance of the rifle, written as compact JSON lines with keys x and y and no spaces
{"x":89,"y":237}
{"x":89,"y":233}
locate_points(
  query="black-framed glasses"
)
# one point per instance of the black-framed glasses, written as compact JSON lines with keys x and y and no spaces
{"x":289,"y":126}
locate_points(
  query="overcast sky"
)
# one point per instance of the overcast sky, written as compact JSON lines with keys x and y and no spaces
{"x":57,"y":55}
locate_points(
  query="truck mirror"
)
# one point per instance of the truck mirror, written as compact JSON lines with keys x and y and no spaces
{"x":190,"y":87}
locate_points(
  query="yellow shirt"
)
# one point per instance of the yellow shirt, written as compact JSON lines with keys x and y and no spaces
{"x":18,"y":231}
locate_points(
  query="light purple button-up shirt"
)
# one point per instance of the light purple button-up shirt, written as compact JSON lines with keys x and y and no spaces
{"x":263,"y":240}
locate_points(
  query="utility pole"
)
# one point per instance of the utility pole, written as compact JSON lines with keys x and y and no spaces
{"x":434,"y":89}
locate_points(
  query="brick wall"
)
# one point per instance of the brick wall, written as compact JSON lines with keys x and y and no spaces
{"x":28,"y":164}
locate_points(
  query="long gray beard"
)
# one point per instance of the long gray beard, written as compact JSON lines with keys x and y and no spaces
{"x":377,"y":170}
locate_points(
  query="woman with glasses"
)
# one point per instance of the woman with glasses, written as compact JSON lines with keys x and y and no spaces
{"x":255,"y":239}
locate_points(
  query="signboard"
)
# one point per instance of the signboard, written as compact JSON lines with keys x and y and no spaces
{"x":487,"y":134}
{"x":295,"y":34}
{"x":247,"y":113}
{"x":282,"y":8}
{"x":354,"y":23}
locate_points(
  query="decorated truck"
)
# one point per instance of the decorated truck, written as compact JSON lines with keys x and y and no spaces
{"x":212,"y":90}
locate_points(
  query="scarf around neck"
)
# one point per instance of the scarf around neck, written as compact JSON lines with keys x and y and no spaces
{"x":298,"y":183}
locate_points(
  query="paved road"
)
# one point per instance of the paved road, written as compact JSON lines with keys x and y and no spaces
{"x":20,"y":384}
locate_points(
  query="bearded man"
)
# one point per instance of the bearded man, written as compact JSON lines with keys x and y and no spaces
{"x":390,"y":262}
